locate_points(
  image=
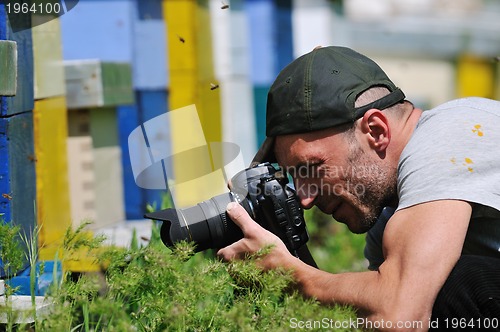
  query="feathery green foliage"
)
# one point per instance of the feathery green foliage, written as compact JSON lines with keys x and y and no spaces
{"x":154,"y":288}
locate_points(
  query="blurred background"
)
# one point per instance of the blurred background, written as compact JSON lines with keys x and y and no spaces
{"x":84,"y":81}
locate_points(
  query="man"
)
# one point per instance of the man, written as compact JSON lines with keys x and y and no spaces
{"x":354,"y":145}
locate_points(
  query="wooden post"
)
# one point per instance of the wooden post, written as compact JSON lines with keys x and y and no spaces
{"x":475,"y":76}
{"x":272,"y":49}
{"x":17,"y":161}
{"x":50,"y":135}
{"x":94,"y":89}
{"x":230,"y":35}
{"x":192,"y":82}
{"x":150,"y":81}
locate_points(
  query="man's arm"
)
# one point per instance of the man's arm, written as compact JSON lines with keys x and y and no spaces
{"x":421,"y":244}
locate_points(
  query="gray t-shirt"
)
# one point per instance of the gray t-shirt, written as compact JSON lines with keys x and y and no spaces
{"x":454,"y":153}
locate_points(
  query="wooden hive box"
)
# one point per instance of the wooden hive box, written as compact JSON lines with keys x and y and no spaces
{"x":8,"y":67}
{"x":50,"y":134}
{"x":94,"y":90}
{"x":17,"y":159}
{"x":94,"y":83}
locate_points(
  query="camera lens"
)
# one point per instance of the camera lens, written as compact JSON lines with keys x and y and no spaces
{"x":261,"y":190}
{"x":207,"y":224}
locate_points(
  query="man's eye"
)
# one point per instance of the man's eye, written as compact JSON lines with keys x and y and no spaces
{"x":312,"y":170}
{"x":317,"y":171}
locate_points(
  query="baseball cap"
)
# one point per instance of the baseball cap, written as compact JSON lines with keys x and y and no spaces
{"x":318,"y":90}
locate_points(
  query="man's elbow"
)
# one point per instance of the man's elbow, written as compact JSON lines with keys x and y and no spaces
{"x":401,"y":318}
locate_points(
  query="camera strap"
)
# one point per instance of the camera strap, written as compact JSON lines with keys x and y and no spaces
{"x":304,"y":255}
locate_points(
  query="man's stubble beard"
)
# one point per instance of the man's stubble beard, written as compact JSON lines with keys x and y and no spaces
{"x":380,"y":186}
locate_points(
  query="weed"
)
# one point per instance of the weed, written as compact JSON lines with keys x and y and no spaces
{"x":11,"y":254}
{"x":154,"y":288}
{"x":32,"y":257}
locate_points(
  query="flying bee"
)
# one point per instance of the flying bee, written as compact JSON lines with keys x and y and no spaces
{"x":7,"y":196}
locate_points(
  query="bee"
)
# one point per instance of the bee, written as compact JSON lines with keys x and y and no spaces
{"x":182,"y":40}
{"x":224,"y":6}
{"x":214,"y":86}
{"x":7,"y":196}
{"x":32,"y":157}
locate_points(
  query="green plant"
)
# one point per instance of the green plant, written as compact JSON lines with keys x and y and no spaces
{"x":332,"y":245}
{"x":32,"y":257}
{"x":75,"y":240}
{"x":154,"y":288}
{"x":11,"y":254}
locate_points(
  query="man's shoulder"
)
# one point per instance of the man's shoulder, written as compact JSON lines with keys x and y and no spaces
{"x":470,"y":103}
{"x":453,"y":154}
{"x":457,"y":116}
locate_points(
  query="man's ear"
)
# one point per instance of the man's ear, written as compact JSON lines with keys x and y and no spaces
{"x":375,"y":125}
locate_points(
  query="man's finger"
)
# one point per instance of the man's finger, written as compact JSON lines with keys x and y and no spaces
{"x":240,"y":217}
{"x":228,"y":253}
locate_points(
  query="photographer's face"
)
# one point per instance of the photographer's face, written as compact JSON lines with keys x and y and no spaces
{"x":332,"y":171}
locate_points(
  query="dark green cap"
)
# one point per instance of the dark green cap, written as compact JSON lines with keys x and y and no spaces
{"x":318,"y":91}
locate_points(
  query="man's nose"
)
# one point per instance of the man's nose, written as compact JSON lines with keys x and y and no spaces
{"x":307,"y":194}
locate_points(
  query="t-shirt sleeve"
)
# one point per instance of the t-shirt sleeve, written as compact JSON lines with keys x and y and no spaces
{"x":452,"y":154}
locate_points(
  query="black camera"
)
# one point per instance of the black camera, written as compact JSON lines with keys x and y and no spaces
{"x":263,"y":192}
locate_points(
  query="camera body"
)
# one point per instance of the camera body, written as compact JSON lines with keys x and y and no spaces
{"x":274,"y":204}
{"x":262,"y":190}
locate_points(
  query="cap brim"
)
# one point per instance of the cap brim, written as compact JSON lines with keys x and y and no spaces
{"x":265,"y":153}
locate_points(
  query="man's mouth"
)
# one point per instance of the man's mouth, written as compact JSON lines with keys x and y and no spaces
{"x":335,"y":210}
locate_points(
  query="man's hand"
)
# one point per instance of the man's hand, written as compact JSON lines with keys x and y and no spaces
{"x":255,"y":238}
